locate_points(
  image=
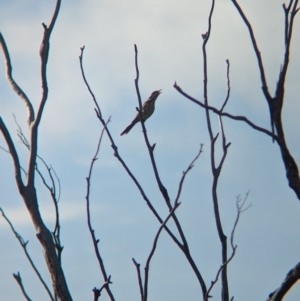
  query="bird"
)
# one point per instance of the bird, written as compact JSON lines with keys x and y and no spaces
{"x":147,"y":110}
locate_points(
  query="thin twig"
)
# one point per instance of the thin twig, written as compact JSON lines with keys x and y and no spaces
{"x":191,"y":165}
{"x":92,"y":232}
{"x":19,"y":281}
{"x":138,"y":270}
{"x":24,"y":247}
{"x":147,"y":267}
{"x":240,"y":205}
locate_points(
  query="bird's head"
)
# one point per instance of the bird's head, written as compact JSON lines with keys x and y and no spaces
{"x":154,"y":95}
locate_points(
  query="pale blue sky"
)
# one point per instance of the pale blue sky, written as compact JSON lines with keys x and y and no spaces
{"x":168,"y":36}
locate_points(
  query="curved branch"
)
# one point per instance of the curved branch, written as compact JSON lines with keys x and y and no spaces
{"x":14,"y":154}
{"x":12,"y":82}
{"x":291,"y":278}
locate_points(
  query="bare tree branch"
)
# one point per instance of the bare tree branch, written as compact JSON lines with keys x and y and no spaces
{"x":240,"y":208}
{"x":51,"y":188}
{"x":97,"y":292}
{"x":28,"y":192}
{"x":276,"y":103}
{"x":92,"y":232}
{"x":147,"y":267}
{"x":216,"y":169}
{"x":138,"y":270}
{"x":184,"y":246}
{"x":117,"y":155}
{"x":13,"y":83}
{"x":265,"y":88}
{"x":24,"y":247}
{"x":19,"y":281}
{"x":144,"y":289}
{"x":44,"y":53}
{"x":291,"y":278}
{"x":220,"y":113}
{"x":185,"y":173}
{"x":14,"y":155}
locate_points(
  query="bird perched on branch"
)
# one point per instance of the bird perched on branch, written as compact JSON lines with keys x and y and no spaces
{"x":147,"y":110}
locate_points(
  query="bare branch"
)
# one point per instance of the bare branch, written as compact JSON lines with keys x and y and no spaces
{"x":12,"y":82}
{"x":19,"y":281}
{"x":51,"y":189}
{"x":240,"y":205}
{"x":276,"y":103}
{"x":218,"y":112}
{"x":184,"y":246}
{"x":24,"y":247}
{"x":28,"y":192}
{"x":92,"y":232}
{"x":291,"y":278}
{"x":150,"y":148}
{"x":147,"y":267}
{"x":191,"y":165}
{"x":216,"y":170}
{"x":138,"y":270}
{"x":97,"y":292}
{"x":205,"y":78}
{"x":257,"y":51}
{"x":14,"y":155}
{"x":240,"y":208}
{"x":228,"y":86}
{"x":117,"y":155}
{"x":44,"y":52}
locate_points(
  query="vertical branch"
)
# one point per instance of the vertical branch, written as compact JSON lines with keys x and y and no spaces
{"x":44,"y":53}
{"x":205,"y":80}
{"x":138,"y":270}
{"x":150,"y":148}
{"x":184,"y":246}
{"x":216,"y":170}
{"x":92,"y":232}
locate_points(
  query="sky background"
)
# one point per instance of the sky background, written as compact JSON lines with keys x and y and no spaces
{"x":168,"y":37}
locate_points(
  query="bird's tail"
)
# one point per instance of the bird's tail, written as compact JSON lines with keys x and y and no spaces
{"x":131,"y":125}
